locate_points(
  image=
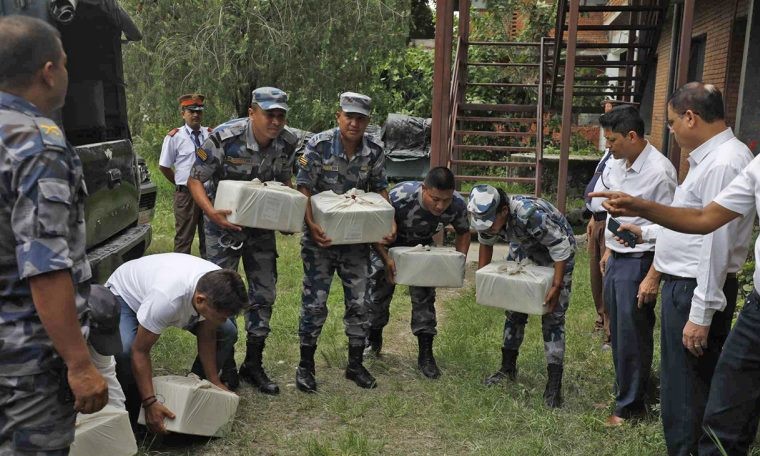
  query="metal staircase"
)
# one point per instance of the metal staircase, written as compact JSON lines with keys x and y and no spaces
{"x":496,"y":117}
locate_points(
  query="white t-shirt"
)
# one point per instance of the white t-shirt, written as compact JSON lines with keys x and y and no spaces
{"x":160,"y":288}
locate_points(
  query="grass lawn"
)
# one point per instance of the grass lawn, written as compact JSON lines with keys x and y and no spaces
{"x":408,"y":414}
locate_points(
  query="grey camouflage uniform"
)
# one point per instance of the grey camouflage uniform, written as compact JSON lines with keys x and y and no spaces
{"x":325,"y":166}
{"x":538,"y":231}
{"x":415,"y":225}
{"x":42,"y":230}
{"x":232,"y":153}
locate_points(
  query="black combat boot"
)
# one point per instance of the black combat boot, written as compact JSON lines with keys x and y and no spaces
{"x":305,"y":373}
{"x":374,"y":343}
{"x":508,"y":368}
{"x":553,"y":392}
{"x":252,"y":371}
{"x":425,"y":360}
{"x":229,"y":374}
{"x":355,"y":371}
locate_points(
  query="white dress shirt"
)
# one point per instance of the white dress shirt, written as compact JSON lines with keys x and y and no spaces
{"x":651,"y":177}
{"x":178,"y":151}
{"x":712,"y":166}
{"x":743,"y":197}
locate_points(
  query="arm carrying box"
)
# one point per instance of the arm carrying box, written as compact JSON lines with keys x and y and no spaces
{"x":265,"y":205}
{"x":355,"y":217}
{"x":519,"y":287}
{"x":201,"y":407}
{"x":424,"y":266}
{"x":105,"y":432}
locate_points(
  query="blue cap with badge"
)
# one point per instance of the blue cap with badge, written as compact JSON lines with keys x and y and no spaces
{"x":270,"y":98}
{"x":356,"y":102}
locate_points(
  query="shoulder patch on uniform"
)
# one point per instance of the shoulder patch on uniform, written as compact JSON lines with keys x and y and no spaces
{"x":209,"y":129}
{"x":173,"y":132}
{"x":50,"y":132}
{"x":200,"y":153}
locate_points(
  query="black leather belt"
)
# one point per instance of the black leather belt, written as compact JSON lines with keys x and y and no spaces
{"x":599,"y":216}
{"x":181,"y":188}
{"x":729,"y":276}
{"x":632,"y":254}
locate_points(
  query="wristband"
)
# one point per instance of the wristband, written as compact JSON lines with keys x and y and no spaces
{"x":152,"y":400}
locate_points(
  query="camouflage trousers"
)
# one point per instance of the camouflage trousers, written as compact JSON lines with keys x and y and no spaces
{"x":34,"y":420}
{"x":258,"y":249}
{"x":351,"y":262}
{"x":379,"y":295}
{"x":552,"y":324}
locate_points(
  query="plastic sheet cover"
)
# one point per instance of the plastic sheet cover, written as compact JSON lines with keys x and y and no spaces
{"x":355,"y":217}
{"x":201,"y":408}
{"x":425,"y":266}
{"x":406,"y":137}
{"x":265,"y":205}
{"x":520,"y":287}
{"x":106,"y":432}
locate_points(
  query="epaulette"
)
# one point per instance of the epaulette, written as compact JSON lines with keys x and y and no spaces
{"x":326,"y":135}
{"x":51,"y":134}
{"x":375,"y":140}
{"x":289,"y":136}
{"x":173,"y":132}
{"x":209,"y":129}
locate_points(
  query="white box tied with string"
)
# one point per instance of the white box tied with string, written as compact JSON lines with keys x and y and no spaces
{"x":425,"y":266}
{"x":201,"y":408}
{"x":265,"y":205}
{"x":516,"y":286}
{"x":355,"y":217}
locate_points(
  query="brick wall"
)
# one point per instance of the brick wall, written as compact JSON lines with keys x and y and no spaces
{"x":712,"y":19}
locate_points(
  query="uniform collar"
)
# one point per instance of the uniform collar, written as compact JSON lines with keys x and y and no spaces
{"x":339,"y":151}
{"x":189,"y":130}
{"x":699,"y":154}
{"x":17,"y":103}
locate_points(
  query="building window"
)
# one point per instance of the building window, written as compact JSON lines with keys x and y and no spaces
{"x":696,"y":58}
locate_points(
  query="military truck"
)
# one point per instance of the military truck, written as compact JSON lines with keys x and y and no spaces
{"x":122,"y":197}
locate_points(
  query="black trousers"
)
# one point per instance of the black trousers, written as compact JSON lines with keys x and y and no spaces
{"x":684,"y":378}
{"x":733,"y":407}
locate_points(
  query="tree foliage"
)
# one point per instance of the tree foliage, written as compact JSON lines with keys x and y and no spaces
{"x":312,"y":49}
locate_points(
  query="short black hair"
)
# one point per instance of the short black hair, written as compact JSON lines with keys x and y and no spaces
{"x":26,"y":45}
{"x":702,"y":99}
{"x":622,"y":119}
{"x":224,"y":290}
{"x":440,"y":178}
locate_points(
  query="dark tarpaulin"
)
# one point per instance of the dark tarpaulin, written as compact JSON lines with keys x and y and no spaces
{"x":406,"y":137}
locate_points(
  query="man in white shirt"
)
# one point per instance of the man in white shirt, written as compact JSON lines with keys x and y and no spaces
{"x":630,"y":293}
{"x":176,"y":161}
{"x":698,"y":272}
{"x":172,"y":290}
{"x":732,"y":411}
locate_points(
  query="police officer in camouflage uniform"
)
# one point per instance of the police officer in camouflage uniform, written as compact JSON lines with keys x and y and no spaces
{"x":339,"y":160}
{"x":44,"y":269}
{"x":258,"y":146}
{"x":422,"y":210}
{"x":535,"y":230}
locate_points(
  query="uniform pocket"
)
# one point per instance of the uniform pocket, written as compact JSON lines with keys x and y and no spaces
{"x":53,"y":206}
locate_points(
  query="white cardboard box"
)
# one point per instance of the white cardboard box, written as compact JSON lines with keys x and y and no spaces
{"x":201,"y":408}
{"x":424,"y":266}
{"x":355,"y":217}
{"x":520,"y":287}
{"x":264,"y":205}
{"x":106,"y":432}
